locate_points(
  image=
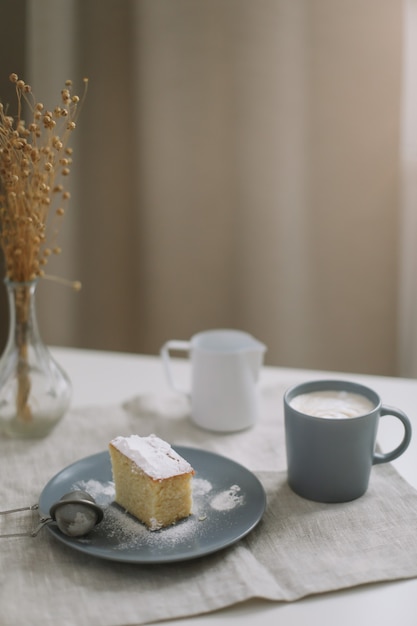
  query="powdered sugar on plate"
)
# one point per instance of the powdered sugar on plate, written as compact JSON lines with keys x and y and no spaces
{"x":126,"y":532}
{"x":102,"y":492}
{"x":228,"y":500}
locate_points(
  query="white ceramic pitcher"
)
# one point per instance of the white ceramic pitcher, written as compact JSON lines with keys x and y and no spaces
{"x":225,"y":366}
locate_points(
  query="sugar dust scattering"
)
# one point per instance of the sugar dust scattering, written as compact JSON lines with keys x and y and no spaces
{"x":102,"y":492}
{"x":201,"y":486}
{"x":129,"y":533}
{"x":126,"y":533}
{"x":228,"y":500}
{"x":219,"y":501}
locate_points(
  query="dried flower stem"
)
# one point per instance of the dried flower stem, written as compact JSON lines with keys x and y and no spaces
{"x":22,"y":311}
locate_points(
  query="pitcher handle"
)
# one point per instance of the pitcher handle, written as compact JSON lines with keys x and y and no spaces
{"x":179,"y":345}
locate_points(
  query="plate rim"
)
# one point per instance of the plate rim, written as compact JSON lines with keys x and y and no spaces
{"x":121,"y":557}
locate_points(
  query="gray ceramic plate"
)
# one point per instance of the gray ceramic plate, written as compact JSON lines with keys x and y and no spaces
{"x":229,"y":501}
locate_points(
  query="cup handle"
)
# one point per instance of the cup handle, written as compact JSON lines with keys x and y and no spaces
{"x":173,"y":344}
{"x":390,"y":456}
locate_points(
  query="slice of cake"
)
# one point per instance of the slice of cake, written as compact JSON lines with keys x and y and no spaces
{"x":152,"y":481}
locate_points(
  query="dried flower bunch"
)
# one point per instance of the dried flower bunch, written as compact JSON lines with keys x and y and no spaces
{"x":35,"y":160}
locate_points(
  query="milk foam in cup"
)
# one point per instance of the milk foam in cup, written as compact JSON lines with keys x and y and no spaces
{"x":332,"y":404}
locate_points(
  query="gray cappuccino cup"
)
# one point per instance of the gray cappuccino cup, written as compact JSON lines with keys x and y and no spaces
{"x":330,"y":434}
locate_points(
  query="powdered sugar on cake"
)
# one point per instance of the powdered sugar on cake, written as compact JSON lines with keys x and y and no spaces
{"x":155,"y":456}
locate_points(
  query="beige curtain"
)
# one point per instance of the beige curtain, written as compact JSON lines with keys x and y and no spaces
{"x":408,"y":258}
{"x":236,"y":164}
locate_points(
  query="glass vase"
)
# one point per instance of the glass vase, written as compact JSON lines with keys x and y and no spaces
{"x":34,"y":390}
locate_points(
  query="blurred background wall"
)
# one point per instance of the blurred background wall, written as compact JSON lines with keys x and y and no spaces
{"x":236,"y":163}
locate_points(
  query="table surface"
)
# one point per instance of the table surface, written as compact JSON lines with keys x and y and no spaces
{"x":383,"y":604}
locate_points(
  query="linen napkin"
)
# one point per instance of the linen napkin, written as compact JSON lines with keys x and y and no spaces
{"x":299,"y":548}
